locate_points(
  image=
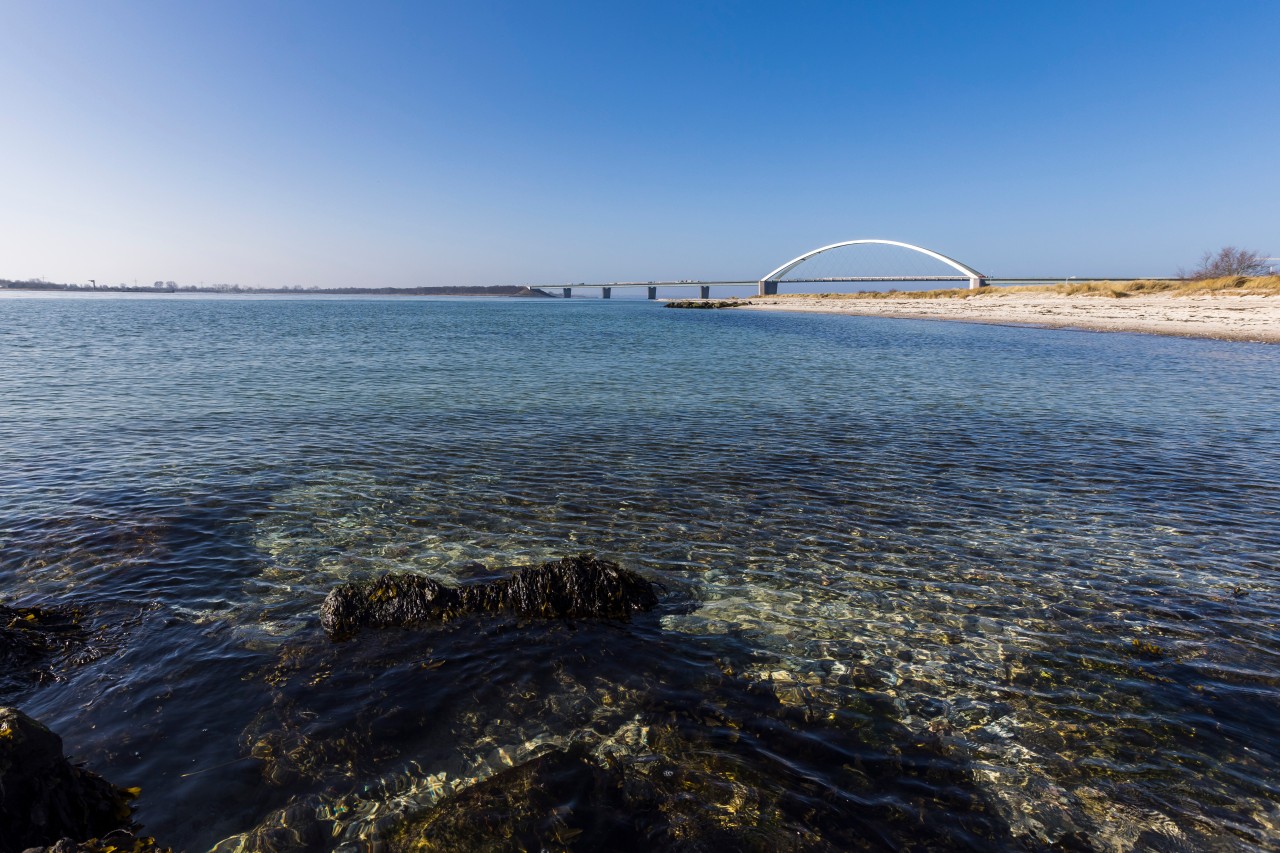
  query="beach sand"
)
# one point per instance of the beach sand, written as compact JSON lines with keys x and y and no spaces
{"x":1224,"y":317}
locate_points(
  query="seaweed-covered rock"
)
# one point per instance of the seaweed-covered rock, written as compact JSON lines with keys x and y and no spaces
{"x":575,"y":587}
{"x":706,"y":303}
{"x":32,"y":639}
{"x":43,"y":797}
{"x":116,"y":841}
{"x":393,"y":599}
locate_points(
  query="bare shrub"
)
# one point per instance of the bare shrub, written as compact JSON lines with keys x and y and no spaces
{"x":1229,"y":261}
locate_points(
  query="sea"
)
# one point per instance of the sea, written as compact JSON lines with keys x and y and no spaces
{"x":922,"y":585}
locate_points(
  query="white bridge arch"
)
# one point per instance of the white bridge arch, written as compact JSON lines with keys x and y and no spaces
{"x":769,"y":284}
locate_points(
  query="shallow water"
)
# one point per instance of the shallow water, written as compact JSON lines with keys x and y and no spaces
{"x":980,"y":586}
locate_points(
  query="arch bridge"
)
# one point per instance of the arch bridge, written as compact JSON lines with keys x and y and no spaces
{"x":768,"y":286}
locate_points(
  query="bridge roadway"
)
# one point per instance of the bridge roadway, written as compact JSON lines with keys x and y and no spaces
{"x":769,"y":284}
{"x":704,"y":287}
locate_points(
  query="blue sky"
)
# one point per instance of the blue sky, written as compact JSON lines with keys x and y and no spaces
{"x":315,"y":143}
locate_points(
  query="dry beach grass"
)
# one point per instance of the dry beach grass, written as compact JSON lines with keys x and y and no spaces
{"x":1243,"y":309}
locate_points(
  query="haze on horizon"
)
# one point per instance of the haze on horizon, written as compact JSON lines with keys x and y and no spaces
{"x":402,"y":145}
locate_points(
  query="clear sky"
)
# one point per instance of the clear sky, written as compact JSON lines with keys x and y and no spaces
{"x":475,"y":143}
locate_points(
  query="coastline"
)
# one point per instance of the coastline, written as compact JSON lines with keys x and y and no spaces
{"x":1227,"y":317}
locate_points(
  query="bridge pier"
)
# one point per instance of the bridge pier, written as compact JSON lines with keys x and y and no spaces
{"x":977,"y":281}
{"x":653,"y":293}
{"x":606,"y":292}
{"x":768,"y":288}
{"x":705,"y":291}
{"x":568,"y":293}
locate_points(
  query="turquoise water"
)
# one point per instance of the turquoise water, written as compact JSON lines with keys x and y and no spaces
{"x":968,"y":586}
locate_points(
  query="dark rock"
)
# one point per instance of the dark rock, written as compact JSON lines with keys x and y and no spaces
{"x":706,"y":303}
{"x":45,"y":798}
{"x":575,"y":587}
{"x":393,"y":599}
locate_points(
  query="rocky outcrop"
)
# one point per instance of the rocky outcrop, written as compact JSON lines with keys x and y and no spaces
{"x":575,"y":587}
{"x":44,"y":799}
{"x":706,"y":303}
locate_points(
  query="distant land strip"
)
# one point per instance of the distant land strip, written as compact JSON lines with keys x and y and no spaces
{"x":173,"y":287}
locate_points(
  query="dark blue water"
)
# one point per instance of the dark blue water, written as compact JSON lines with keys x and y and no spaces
{"x":969,"y":586}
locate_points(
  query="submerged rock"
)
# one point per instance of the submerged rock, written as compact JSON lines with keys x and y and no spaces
{"x":44,"y":799}
{"x":32,"y":639}
{"x":296,"y":828}
{"x":117,"y":841}
{"x":575,"y":587}
{"x":551,"y":802}
{"x":671,"y":756}
{"x":689,"y":786}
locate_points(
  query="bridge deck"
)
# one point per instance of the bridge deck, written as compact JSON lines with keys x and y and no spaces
{"x":849,"y":279}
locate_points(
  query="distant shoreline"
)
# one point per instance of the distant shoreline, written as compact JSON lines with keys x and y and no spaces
{"x":518,"y":291}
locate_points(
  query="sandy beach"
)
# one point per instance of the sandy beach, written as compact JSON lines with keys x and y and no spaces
{"x":1224,"y":317}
